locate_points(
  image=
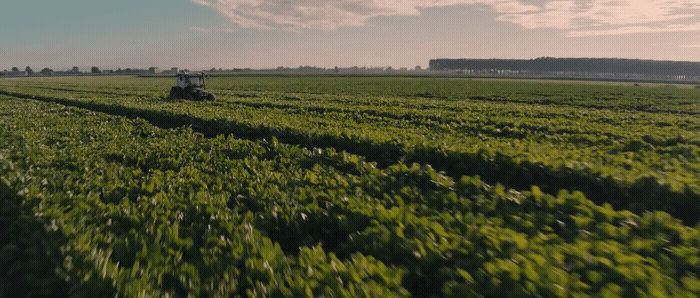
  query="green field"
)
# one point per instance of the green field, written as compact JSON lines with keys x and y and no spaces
{"x":349,"y":186}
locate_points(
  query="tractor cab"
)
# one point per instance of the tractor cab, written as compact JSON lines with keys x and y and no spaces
{"x":185,"y":80}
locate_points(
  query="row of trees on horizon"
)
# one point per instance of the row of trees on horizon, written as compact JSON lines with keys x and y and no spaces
{"x":74,"y":70}
{"x":155,"y":70}
{"x":593,"y":67}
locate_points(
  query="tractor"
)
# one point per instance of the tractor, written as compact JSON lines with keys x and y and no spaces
{"x":191,"y":87}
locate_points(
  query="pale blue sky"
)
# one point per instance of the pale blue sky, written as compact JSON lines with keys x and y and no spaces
{"x":269,"y":33}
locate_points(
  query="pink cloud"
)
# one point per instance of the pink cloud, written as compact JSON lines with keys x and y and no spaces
{"x":211,"y":30}
{"x":635,"y":30}
{"x":330,"y":15}
{"x":577,"y":18}
{"x":608,"y":17}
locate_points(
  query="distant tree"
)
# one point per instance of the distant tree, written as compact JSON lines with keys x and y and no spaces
{"x":418,"y":67}
{"x":75,"y":69}
{"x":46,"y":71}
{"x":15,"y":68}
{"x":95,"y":69}
{"x":29,"y":70}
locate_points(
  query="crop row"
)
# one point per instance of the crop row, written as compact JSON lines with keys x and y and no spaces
{"x":160,"y":222}
{"x":644,"y":162}
{"x":614,"y":96}
{"x":134,"y":209}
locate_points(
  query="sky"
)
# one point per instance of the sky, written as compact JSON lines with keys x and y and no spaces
{"x":201,"y":34}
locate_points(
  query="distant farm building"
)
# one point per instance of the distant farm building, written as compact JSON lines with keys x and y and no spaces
{"x":15,"y":73}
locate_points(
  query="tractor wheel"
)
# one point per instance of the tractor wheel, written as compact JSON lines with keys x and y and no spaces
{"x":211,"y":97}
{"x":188,"y":94}
{"x":197,"y":95}
{"x":175,"y":93}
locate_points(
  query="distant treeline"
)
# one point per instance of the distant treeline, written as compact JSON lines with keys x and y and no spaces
{"x":572,"y":65}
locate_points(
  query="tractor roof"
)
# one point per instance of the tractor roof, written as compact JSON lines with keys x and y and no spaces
{"x":187,"y":75}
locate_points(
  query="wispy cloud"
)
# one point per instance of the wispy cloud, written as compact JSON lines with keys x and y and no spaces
{"x":635,"y":30}
{"x":581,"y":18}
{"x":332,"y":14}
{"x":577,"y":18}
{"x":212,"y":30}
{"x":689,"y":46}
